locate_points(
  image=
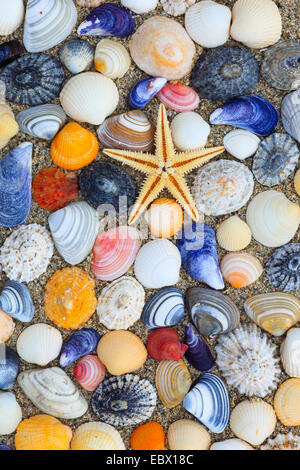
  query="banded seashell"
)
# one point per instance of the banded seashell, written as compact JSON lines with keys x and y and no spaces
{"x":148,"y":436}
{"x":77,"y":55}
{"x":140,"y":7}
{"x":9,"y":51}
{"x":231,"y":444}
{"x":164,"y":308}
{"x":290,"y":352}
{"x":108,"y":20}
{"x":12,"y":14}
{"x":241,"y":144}
{"x":233,"y":234}
{"x":112,"y":59}
{"x":10,"y":412}
{"x":186,"y":434}
{"x":16,"y":301}
{"x":199,"y":353}
{"x":9,"y":367}
{"x":7,"y":326}
{"x":274,"y":312}
{"x":287,"y":402}
{"x":39,"y":344}
{"x":179,"y":97}
{"x":172,"y":382}
{"x":288,"y":441}
{"x":240,"y":269}
{"x":144,"y":90}
{"x":189,"y":131}
{"x":77,"y":345}
{"x":290,"y":114}
{"x":280,"y":67}
{"x":97,"y":436}
{"x":164,"y":217}
{"x":89,"y":372}
{"x":42,"y":121}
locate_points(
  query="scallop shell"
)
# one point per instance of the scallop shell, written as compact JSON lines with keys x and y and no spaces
{"x":241,"y":269}
{"x":42,"y":122}
{"x":272,"y":218}
{"x":287,"y":402}
{"x":16,"y":253}
{"x":256,"y":23}
{"x":164,"y":308}
{"x":274,"y":312}
{"x":97,"y":436}
{"x":10,"y":411}
{"x":164,"y":217}
{"x":39,"y":344}
{"x":52,"y":188}
{"x":9,"y":367}
{"x":112,"y":59}
{"x":241,"y":144}
{"x":121,"y":352}
{"x":12,"y":14}
{"x":140,"y":7}
{"x":108,"y":20}
{"x":189,"y":131}
{"x":9,"y":51}
{"x":144,"y":90}
{"x":7,"y":326}
{"x":282,"y":268}
{"x":172,"y":382}
{"x":148,"y":436}
{"x":89,"y":97}
{"x":233,"y":234}
{"x":231,"y":444}
{"x":186,"y":434}
{"x":89,"y":372}
{"x":16,"y":301}
{"x":74,"y":230}
{"x":290,"y":352}
{"x":179,"y":97}
{"x":290,"y":114}
{"x":77,"y":55}
{"x":283,"y":442}
{"x":120,"y":304}
{"x":199,"y":353}
{"x":280,"y":67}
{"x":78,"y":344}
{"x":52,"y":392}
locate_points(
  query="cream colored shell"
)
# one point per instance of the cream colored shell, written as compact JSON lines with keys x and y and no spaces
{"x":97,"y":436}
{"x":290,"y":352}
{"x":231,"y":444}
{"x":173,"y":382}
{"x":297,"y":182}
{"x":233,"y":234}
{"x":186,"y":434}
{"x":10,"y":413}
{"x":12,"y":13}
{"x":287,"y":402}
{"x":112,"y":59}
{"x":39,"y":344}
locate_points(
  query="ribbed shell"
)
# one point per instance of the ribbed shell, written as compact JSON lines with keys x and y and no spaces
{"x":39,"y":344}
{"x":280,"y":67}
{"x":179,"y":97}
{"x":186,"y":434}
{"x":97,"y":436}
{"x":77,"y":55}
{"x":240,"y":269}
{"x":287,"y":402}
{"x":172,"y":382}
{"x":241,"y":144}
{"x":282,"y":268}
{"x":89,"y":372}
{"x":290,"y":114}
{"x":233,"y":234}
{"x":112,"y":59}
{"x":283,"y":442}
{"x":42,"y":122}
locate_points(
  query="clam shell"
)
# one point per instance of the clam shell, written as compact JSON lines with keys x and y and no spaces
{"x":148,"y":436}
{"x":186,"y":434}
{"x":108,"y":20}
{"x":52,"y":392}
{"x":9,"y":51}
{"x":112,"y":59}
{"x":287,"y":402}
{"x":77,"y":55}
{"x":16,"y":301}
{"x":140,"y":7}
{"x":39,"y":344}
{"x":240,"y":269}
{"x":280,"y":67}
{"x":282,"y":268}
{"x":78,"y":344}
{"x":144,"y":90}
{"x":9,"y":367}
{"x":42,"y":122}
{"x":233,"y":234}
{"x":10,"y":411}
{"x":241,"y":144}
{"x":283,"y":442}
{"x":231,"y":444}
{"x":179,"y":97}
{"x":198,"y":354}
{"x":12,"y":14}
{"x":97,"y":436}
{"x":290,"y":352}
{"x":290,"y":114}
{"x":164,"y":217}
{"x":189,"y":131}
{"x":52,"y":188}
{"x":172,"y":382}
{"x":164,"y":308}
{"x":7,"y":326}
{"x":89,"y":372}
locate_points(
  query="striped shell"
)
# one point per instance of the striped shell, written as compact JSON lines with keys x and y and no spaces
{"x":172,"y":381}
{"x":16,"y":301}
{"x":164,"y":217}
{"x":233,"y":234}
{"x":7,"y":326}
{"x":179,"y":97}
{"x":186,"y":434}
{"x":89,"y":372}
{"x":283,"y":442}
{"x":42,"y":122}
{"x":77,"y":55}
{"x":240,"y":269}
{"x":112,"y":59}
{"x":290,"y":114}
{"x":287,"y":402}
{"x":97,"y":436}
{"x":164,"y":308}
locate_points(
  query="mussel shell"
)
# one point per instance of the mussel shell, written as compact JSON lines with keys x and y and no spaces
{"x":9,"y":367}
{"x":281,"y":68}
{"x":78,"y":344}
{"x":164,"y":308}
{"x":108,"y":20}
{"x":77,"y":55}
{"x":199,"y":354}
{"x":144,"y":90}
{"x":10,"y":51}
{"x":16,"y":301}
{"x":42,"y":121}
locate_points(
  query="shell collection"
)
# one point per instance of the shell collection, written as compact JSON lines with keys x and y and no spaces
{"x":94,"y":298}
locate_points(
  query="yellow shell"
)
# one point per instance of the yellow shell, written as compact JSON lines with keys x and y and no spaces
{"x":187,"y":434}
{"x":8,"y":125}
{"x":233,"y":234}
{"x":297,"y":182}
{"x":164,"y":217}
{"x":287,"y":402}
{"x":240,"y":269}
{"x":112,"y":59}
{"x":97,"y":436}
{"x":7,"y":326}
{"x":173,"y":382}
{"x":121,"y":352}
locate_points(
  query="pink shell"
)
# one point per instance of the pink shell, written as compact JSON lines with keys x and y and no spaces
{"x":114,"y":252}
{"x":179,"y":97}
{"x":89,"y":372}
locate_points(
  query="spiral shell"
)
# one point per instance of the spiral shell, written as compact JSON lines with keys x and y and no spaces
{"x":186,"y":434}
{"x":96,"y":436}
{"x":89,"y":372}
{"x":233,"y":234}
{"x":290,"y":352}
{"x":240,"y":269}
{"x":172,"y":381}
{"x":287,"y":402}
{"x":112,"y":59}
{"x":39,"y":344}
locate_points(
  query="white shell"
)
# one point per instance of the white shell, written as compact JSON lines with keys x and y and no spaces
{"x":290,"y":114}
{"x":112,"y":59}
{"x":48,"y":23}
{"x":12,"y":13}
{"x":272,"y":218}
{"x":39,"y":344}
{"x":42,"y":121}
{"x":189,"y":131}
{"x":140,"y":6}
{"x":208,"y":23}
{"x":231,"y":444}
{"x":10,"y":413}
{"x":290,"y":352}
{"x":157,"y":264}
{"x":288,"y":441}
{"x":52,"y":392}
{"x":89,"y":97}
{"x":241,"y":144}
{"x":74,"y":230}
{"x":176,"y":7}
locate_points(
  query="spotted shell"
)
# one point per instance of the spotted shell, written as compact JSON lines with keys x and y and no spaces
{"x":172,"y":381}
{"x":287,"y":402}
{"x":112,"y":59}
{"x":89,"y":372}
{"x":7,"y":326}
{"x":233,"y":234}
{"x":97,"y":436}
{"x":186,"y":434}
{"x":240,"y":269}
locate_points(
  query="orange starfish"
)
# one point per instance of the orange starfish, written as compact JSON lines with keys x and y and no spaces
{"x":165,"y":169}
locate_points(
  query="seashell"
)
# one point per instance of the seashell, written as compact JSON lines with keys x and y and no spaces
{"x":112,"y":59}
{"x":16,"y":253}
{"x":108,"y":20}
{"x":256,"y":23}
{"x":240,"y":269}
{"x":272,"y":218}
{"x":4,"y":447}
{"x":162,"y":48}
{"x":164,"y":308}
{"x":290,"y":114}
{"x":297,"y":182}
{"x":52,"y":392}
{"x":233,"y":234}
{"x":208,"y":23}
{"x":179,"y":97}
{"x":52,"y":188}
{"x":124,"y":401}
{"x":77,"y":55}
{"x":7,"y":326}
{"x":212,"y":312}
{"x":176,"y":7}
{"x":12,"y":14}
{"x":164,"y":217}
{"x":42,"y":121}
{"x":287,"y":402}
{"x":39,"y":344}
{"x":224,"y":72}
{"x":74,"y":230}
{"x":89,"y":3}
{"x":33,"y":79}
{"x":208,"y":401}
{"x":127,"y":131}
{"x":10,"y":51}
{"x":280,"y":67}
{"x":231,"y":444}
{"x":186,"y":434}
{"x":11,"y":413}
{"x":148,"y":436}
{"x":114,"y":252}
{"x":245,"y":357}
{"x":120,"y":304}
{"x":15,"y":185}
{"x":16,"y":301}
{"x":157,"y":264}
{"x":222,"y":187}
{"x":89,"y":372}
{"x":282,"y":268}
{"x":144,"y":90}
{"x":199,"y":354}
{"x":274,"y":312}
{"x":70,"y":299}
{"x":106,"y":186}
{"x":241,"y":144}
{"x":172,"y":382}
{"x":77,"y":345}
{"x":163,"y":344}
{"x":74,"y":147}
{"x":97,"y":436}
{"x":250,"y":112}
{"x":9,"y":367}
{"x":89,"y":97}
{"x":189,"y":131}
{"x":133,"y":352}
{"x":42,"y":432}
{"x":140,"y":7}
{"x":290,"y":352}
{"x":198,"y":248}
{"x":8,"y":125}
{"x":282,"y":442}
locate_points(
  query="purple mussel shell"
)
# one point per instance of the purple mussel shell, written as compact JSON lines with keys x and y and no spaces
{"x":199,"y":354}
{"x":4,"y":447}
{"x":78,"y":344}
{"x":9,"y":367}
{"x":144,"y":90}
{"x":10,"y":51}
{"x":108,"y":20}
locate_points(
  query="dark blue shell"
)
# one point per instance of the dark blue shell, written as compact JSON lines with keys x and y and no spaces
{"x":144,"y":90}
{"x":224,"y":72}
{"x":108,"y":20}
{"x":198,"y":248}
{"x":199,"y":354}
{"x":4,"y":447}
{"x":164,"y":308}
{"x":283,"y":268}
{"x":16,"y":301}
{"x":78,"y":344}
{"x":9,"y":367}
{"x":10,"y":51}
{"x":250,"y":112}
{"x":33,"y":79}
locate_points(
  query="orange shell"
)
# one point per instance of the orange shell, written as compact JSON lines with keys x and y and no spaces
{"x":74,"y":147}
{"x":148,"y":436}
{"x":287,"y":402}
{"x":7,"y":326}
{"x":43,"y":432}
{"x":164,"y":217}
{"x":70,"y":298}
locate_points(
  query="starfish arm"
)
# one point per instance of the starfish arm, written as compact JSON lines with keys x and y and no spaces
{"x":163,"y":136}
{"x":144,"y":162}
{"x":185,"y":162}
{"x":177,"y":186}
{"x":153,"y":185}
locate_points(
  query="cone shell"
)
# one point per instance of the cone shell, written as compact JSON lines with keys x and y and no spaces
{"x":240,"y":269}
{"x":233,"y":234}
{"x":39,"y":344}
{"x":112,"y":59}
{"x":89,"y":372}
{"x":287,"y":402}
{"x":179,"y":97}
{"x":52,"y":188}
{"x":231,"y":444}
{"x":43,"y":432}
{"x":42,"y":122}
{"x":10,"y":412}
{"x":12,"y":14}
{"x":121,"y":352}
{"x":148,"y":436}
{"x":172,"y":381}
{"x":297,"y":182}
{"x":283,"y":442}
{"x":7,"y":326}
{"x":290,"y":353}
{"x":97,"y":436}
{"x":186,"y":434}
{"x":164,"y":217}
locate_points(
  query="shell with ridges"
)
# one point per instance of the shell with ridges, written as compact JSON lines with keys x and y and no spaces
{"x":52,"y":188}
{"x":231,"y":444}
{"x":108,"y":20}
{"x":140,"y":7}
{"x":16,"y":301}
{"x":290,"y":114}
{"x":9,"y":367}
{"x":172,"y":382}
{"x":280,"y":67}
{"x":241,"y":144}
{"x":282,"y":268}
{"x":164,"y":308}
{"x":240,"y":269}
{"x":97,"y":436}
{"x":164,"y":217}
{"x":39,"y":344}
{"x":233,"y":234}
{"x":42,"y":122}
{"x":77,"y":55}
{"x":12,"y":14}
{"x":189,"y":131}
{"x":186,"y":434}
{"x":283,"y":442}
{"x":7,"y":326}
{"x":148,"y":436}
{"x":79,"y":343}
{"x":290,"y":352}
{"x":89,"y":372}
{"x":287,"y":402}
{"x":179,"y":97}
{"x":10,"y":411}
{"x":112,"y":59}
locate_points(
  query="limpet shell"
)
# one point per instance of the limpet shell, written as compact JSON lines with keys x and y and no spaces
{"x":39,"y":344}
{"x":233,"y":234}
{"x":287,"y":402}
{"x":89,"y":372}
{"x":290,"y":114}
{"x":283,"y":442}
{"x":148,"y":436}
{"x":280,"y":67}
{"x":164,"y":217}
{"x":97,"y":436}
{"x":240,"y":269}
{"x":7,"y":326}
{"x":290,"y":352}
{"x":282,"y":268}
{"x":172,"y":382}
{"x":12,"y":14}
{"x":10,"y":411}
{"x":112,"y":59}
{"x":77,"y":55}
{"x":42,"y":122}
{"x":164,"y":308}
{"x":240,"y":143}
{"x":186,"y":434}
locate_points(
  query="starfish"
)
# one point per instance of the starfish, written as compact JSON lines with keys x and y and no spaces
{"x":165,"y":169}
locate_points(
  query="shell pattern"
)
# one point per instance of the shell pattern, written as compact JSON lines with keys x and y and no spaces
{"x":280,"y":67}
{"x":173,"y":382}
{"x":282,"y":268}
{"x":290,"y":114}
{"x":164,"y":308}
{"x":42,"y":122}
{"x":15,"y":299}
{"x":77,"y":55}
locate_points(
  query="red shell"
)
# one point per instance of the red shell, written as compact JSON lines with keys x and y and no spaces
{"x":163,"y":345}
{"x":179,"y":97}
{"x":52,"y":188}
